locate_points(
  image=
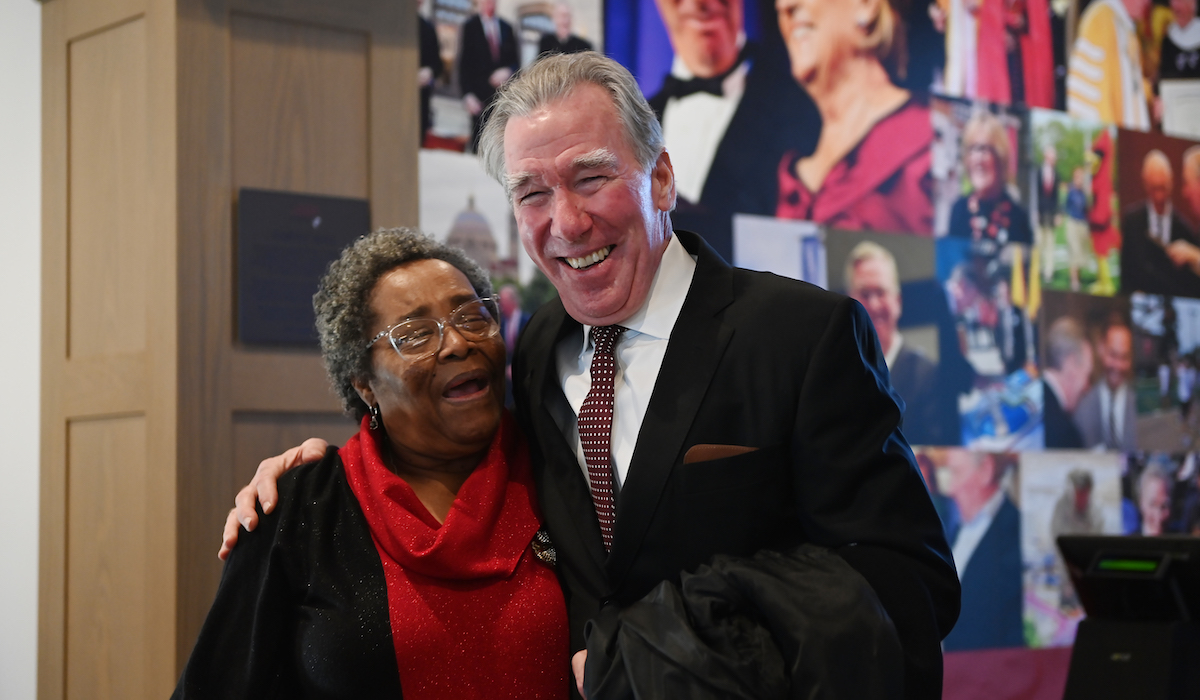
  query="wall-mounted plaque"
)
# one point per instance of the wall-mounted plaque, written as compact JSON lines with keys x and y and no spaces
{"x":285,"y":241}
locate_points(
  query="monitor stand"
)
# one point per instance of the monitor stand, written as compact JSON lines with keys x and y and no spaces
{"x":1144,"y":660}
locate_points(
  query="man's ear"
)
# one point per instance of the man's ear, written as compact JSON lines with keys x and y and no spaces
{"x":662,"y":183}
{"x":364,"y":391}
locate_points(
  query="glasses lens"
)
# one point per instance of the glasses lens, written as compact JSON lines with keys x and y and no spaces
{"x":416,"y":338}
{"x":475,"y":321}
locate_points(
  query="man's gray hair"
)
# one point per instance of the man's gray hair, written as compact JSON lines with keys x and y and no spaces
{"x":554,"y":77}
{"x":1066,"y":339}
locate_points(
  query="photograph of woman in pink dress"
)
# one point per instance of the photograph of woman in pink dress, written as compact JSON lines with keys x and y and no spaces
{"x":870,"y":169}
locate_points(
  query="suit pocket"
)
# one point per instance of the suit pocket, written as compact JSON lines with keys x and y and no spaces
{"x":735,"y":473}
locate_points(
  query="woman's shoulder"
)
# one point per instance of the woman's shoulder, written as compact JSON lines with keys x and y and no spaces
{"x":314,"y":482}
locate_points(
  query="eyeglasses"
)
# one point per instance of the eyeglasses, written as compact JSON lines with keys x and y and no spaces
{"x":419,"y":338}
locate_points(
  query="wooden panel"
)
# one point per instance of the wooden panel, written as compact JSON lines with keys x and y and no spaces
{"x":299,"y":106}
{"x":259,"y":435}
{"x":108,"y":214}
{"x":107,"y":385}
{"x":88,"y":17}
{"x":276,"y":381}
{"x":107,"y":523}
{"x":52,"y":501}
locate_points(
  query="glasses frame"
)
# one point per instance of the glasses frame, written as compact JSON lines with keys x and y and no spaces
{"x":492,"y":303}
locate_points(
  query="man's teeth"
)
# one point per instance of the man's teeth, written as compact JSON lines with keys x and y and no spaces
{"x":585,"y":261}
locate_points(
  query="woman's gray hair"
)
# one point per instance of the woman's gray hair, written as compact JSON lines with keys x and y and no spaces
{"x":342,"y":303}
{"x":555,"y":77}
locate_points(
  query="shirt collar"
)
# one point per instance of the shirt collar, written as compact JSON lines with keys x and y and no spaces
{"x":663,"y":304}
{"x":893,"y":352}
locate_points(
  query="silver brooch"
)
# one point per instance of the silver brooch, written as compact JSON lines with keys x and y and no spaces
{"x":543,"y":548}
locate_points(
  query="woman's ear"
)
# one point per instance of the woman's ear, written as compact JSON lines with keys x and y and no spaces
{"x":363,"y":387}
{"x":866,"y":13}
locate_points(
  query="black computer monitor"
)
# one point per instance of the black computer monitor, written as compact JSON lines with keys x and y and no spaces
{"x":1135,"y":579}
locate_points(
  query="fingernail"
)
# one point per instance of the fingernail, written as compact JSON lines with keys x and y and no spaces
{"x":246,"y":524}
{"x":266,"y":506}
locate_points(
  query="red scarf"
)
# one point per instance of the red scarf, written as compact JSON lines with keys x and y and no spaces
{"x":474,"y":613}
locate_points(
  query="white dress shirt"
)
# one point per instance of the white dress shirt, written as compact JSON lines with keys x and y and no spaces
{"x":893,"y":352}
{"x":1112,"y":412}
{"x":639,"y":356}
{"x":971,"y":533}
{"x":693,"y":127}
{"x":1160,"y":224}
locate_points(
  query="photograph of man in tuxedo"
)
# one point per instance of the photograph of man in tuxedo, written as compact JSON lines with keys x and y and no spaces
{"x":729,"y":111}
{"x":487,"y":57}
{"x":748,"y":411}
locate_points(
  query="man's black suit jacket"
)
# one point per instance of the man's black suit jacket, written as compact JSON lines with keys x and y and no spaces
{"x":1061,"y":431}
{"x":930,"y":408}
{"x":760,"y":361}
{"x":476,"y":65}
{"x":992,"y":596}
{"x":773,"y":117}
{"x":1145,"y":266}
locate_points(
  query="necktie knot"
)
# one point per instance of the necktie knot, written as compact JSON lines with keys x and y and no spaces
{"x":605,"y":338}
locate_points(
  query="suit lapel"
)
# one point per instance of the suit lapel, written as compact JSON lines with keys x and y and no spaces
{"x":694,"y":352}
{"x":567,"y":502}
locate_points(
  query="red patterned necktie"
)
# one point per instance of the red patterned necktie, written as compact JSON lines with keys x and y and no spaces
{"x":595,"y":427}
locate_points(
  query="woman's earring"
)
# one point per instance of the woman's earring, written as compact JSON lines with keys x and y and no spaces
{"x":376,"y":418}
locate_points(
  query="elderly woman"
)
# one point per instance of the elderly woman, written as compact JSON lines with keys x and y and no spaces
{"x":1154,"y":499}
{"x":870,"y":167}
{"x":409,"y":560}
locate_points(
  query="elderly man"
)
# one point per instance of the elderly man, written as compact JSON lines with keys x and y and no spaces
{"x":1068,"y":372}
{"x":1159,"y":254}
{"x":930,"y":410}
{"x":1104,"y":76}
{"x":1106,"y":415}
{"x":1045,"y":194}
{"x":726,"y":118}
{"x":1191,"y":183}
{"x":988,"y":553}
{"x":725,"y":411}
{"x":561,"y":40}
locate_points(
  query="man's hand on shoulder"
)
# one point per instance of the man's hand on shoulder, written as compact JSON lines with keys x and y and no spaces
{"x":262,"y":489}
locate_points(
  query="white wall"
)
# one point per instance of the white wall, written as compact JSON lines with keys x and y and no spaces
{"x":20,"y":324}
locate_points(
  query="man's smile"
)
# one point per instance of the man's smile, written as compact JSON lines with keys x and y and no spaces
{"x":589,"y":259}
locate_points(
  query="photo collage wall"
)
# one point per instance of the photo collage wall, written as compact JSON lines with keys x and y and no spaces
{"x":1011,"y":190}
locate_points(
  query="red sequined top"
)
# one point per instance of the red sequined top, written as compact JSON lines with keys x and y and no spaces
{"x":474,"y":613}
{"x":883,"y":183}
